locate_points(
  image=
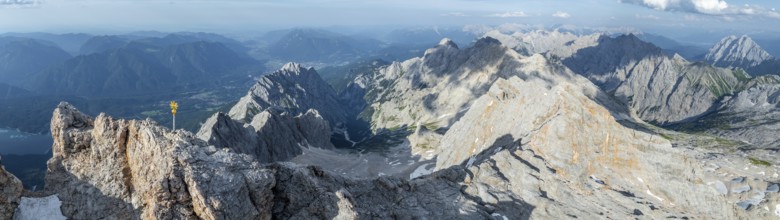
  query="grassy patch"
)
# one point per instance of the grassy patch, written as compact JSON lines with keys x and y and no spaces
{"x":431,"y":126}
{"x":758,"y":162}
{"x":665,"y":136}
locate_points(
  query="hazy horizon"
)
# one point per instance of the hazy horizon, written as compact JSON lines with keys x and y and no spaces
{"x":674,"y":18}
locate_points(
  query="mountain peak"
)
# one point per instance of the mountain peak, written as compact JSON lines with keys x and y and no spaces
{"x":485,"y":41}
{"x":292,"y":67}
{"x":733,"y":52}
{"x":447,"y":42}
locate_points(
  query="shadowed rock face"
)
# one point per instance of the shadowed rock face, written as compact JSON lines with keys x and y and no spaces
{"x":10,"y":192}
{"x":271,"y":136}
{"x":294,"y":89}
{"x":659,"y":88}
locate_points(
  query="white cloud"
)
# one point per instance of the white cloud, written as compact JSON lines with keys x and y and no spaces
{"x":513,"y":14}
{"x":561,"y":14}
{"x":709,"y":7}
{"x":19,"y":3}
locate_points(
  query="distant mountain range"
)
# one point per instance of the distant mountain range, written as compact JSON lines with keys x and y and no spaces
{"x":318,"y":45}
{"x":70,"y":43}
{"x":22,"y":58}
{"x":143,"y":67}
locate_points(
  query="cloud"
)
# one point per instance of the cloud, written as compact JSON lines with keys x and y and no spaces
{"x":514,"y":14}
{"x":19,"y":2}
{"x":561,"y":14}
{"x":708,"y":7}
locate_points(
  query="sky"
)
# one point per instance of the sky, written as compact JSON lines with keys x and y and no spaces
{"x":679,"y":17}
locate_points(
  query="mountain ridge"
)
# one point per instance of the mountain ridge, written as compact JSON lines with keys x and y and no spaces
{"x":737,"y":52}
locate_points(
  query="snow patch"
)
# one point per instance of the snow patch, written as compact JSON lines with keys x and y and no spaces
{"x":497,"y":215}
{"x":39,"y":208}
{"x":422,"y":170}
{"x":777,"y":209}
{"x":654,"y":196}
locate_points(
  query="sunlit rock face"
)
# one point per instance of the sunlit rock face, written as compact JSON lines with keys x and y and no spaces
{"x":737,"y":52}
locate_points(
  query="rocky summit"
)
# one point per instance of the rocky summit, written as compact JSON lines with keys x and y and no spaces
{"x":737,"y":52}
{"x":587,"y":126}
{"x":293,"y":88}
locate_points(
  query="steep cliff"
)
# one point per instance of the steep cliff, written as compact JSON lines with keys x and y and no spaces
{"x":270,"y":136}
{"x":659,"y":88}
{"x":294,"y":89}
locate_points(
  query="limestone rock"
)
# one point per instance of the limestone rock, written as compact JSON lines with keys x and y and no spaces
{"x":659,"y":88}
{"x":737,"y":52}
{"x":551,"y":146}
{"x":128,"y":169}
{"x":271,"y":136}
{"x":752,"y":115}
{"x":294,"y":89}
{"x":10,"y":192}
{"x":108,"y":168}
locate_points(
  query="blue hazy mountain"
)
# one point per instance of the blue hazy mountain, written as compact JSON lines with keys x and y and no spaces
{"x":145,"y":66}
{"x":21,"y":58}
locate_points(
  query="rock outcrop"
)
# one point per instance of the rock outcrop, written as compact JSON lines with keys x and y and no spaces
{"x":737,"y":52}
{"x":108,"y":168}
{"x":293,"y":89}
{"x":565,"y":147}
{"x":10,"y":192}
{"x":659,"y":88}
{"x":128,"y":169}
{"x":271,"y":136}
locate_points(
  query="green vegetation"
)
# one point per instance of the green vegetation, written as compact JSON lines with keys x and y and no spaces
{"x":758,"y":162}
{"x":431,"y":126}
{"x":741,"y":75}
{"x":665,"y":136}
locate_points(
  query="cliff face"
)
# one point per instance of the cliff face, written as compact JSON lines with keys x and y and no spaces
{"x":10,"y":192}
{"x":294,"y":89}
{"x":659,"y":88}
{"x":107,"y":168}
{"x":271,"y":136}
{"x":737,"y":52}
